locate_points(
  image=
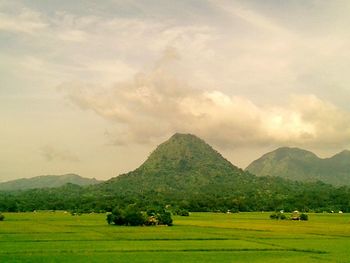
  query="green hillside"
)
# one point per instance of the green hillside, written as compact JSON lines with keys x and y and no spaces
{"x":46,"y":181}
{"x":302,"y":165}
{"x":182,"y":163}
{"x":186,"y":173}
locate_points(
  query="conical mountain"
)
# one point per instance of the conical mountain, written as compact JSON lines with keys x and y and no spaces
{"x":183,"y":153}
{"x":301,"y":165}
{"x":182,"y":163}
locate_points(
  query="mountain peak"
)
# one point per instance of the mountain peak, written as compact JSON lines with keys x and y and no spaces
{"x":283,"y":152}
{"x":183,"y":152}
{"x":343,"y":156}
{"x":343,"y":153}
{"x":185,"y":137}
{"x":182,"y":162}
{"x":303,"y":165}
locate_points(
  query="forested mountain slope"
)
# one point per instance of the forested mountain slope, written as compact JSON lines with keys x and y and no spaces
{"x":302,"y":165}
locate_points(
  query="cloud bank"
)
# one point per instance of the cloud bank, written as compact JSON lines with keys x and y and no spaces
{"x":256,"y":74}
{"x":158,"y":102}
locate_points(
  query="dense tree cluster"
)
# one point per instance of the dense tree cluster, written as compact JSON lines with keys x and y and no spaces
{"x":295,"y":216}
{"x":134,"y":216}
{"x":263,"y":194}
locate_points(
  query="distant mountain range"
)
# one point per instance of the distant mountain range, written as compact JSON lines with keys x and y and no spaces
{"x":302,"y":165}
{"x":46,"y":181}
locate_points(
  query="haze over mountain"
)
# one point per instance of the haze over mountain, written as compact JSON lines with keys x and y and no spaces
{"x":45,"y":181}
{"x":302,"y":165}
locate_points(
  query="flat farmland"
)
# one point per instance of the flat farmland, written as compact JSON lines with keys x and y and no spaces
{"x":201,"y":237}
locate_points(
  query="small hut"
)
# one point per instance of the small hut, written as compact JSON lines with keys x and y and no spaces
{"x":295,"y":215}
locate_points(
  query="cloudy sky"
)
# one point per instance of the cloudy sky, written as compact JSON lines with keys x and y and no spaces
{"x":91,"y":87}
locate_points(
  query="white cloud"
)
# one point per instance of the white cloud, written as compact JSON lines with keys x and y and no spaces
{"x":73,"y":35}
{"x":157,"y":103}
{"x":23,"y":21}
{"x":256,"y":20}
{"x":247,"y":73}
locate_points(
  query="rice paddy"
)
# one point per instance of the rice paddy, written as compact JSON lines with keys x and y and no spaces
{"x":201,"y":237}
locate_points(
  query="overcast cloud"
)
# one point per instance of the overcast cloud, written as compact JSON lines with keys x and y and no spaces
{"x":102,"y":79}
{"x":158,"y":102}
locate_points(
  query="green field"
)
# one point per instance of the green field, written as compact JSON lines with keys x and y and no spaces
{"x":201,"y":237}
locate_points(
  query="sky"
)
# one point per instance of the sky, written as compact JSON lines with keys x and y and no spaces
{"x":92,"y":87}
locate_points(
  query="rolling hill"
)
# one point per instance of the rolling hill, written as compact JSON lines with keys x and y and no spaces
{"x":302,"y":165}
{"x":45,"y":181}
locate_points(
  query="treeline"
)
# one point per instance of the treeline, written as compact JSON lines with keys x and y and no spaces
{"x":267,"y":194}
{"x":184,"y":174}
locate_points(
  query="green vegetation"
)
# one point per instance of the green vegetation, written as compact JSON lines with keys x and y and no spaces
{"x":304,"y":217}
{"x":301,"y":165}
{"x":2,"y":217}
{"x":181,"y":212}
{"x":294,"y":216}
{"x":134,"y":216}
{"x":184,"y":173}
{"x":201,"y":237}
{"x":45,"y":181}
{"x":278,"y":215}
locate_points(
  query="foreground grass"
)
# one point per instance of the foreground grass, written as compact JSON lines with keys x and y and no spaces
{"x":202,"y":237}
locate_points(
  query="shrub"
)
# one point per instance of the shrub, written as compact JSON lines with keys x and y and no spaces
{"x":304,"y":217}
{"x":151,"y":211}
{"x":118,"y":216}
{"x":164,"y":218}
{"x":76,"y":212}
{"x":182,"y":212}
{"x":278,"y":215}
{"x":110,"y":218}
{"x":274,"y":216}
{"x":134,"y":217}
{"x":2,"y":217}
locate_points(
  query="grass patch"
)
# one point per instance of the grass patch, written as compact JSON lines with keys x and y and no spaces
{"x":201,"y":237}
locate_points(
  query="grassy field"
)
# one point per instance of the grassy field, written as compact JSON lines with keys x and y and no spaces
{"x":201,"y":237}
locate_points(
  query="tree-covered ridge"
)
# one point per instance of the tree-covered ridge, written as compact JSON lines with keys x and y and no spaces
{"x":44,"y":181}
{"x":302,"y":165}
{"x":184,"y":152}
{"x":183,"y":163}
{"x":184,"y":173}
